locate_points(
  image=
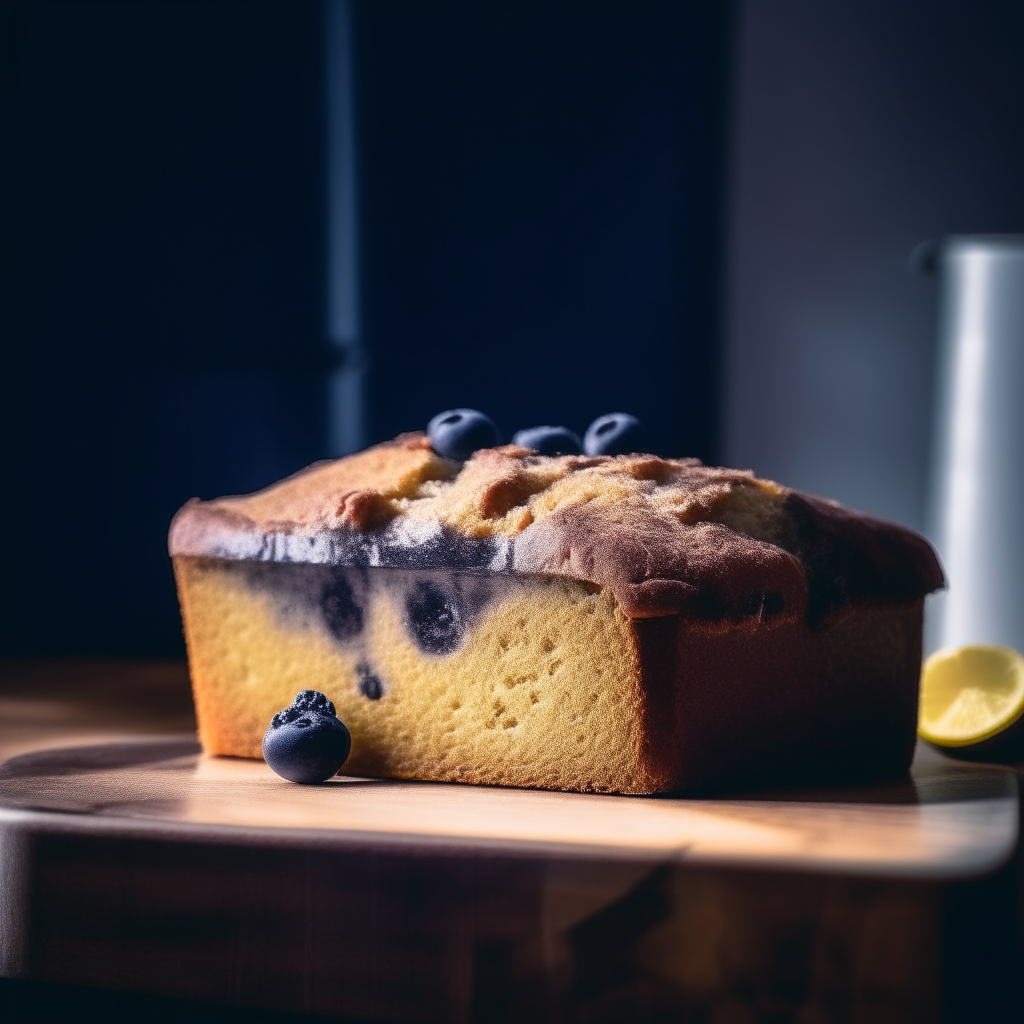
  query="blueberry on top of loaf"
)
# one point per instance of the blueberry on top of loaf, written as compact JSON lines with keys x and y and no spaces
{"x":666,"y":536}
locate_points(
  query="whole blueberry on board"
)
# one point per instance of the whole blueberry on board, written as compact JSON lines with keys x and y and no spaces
{"x":457,"y":433}
{"x":615,"y":433}
{"x":549,"y":440}
{"x":306,"y":742}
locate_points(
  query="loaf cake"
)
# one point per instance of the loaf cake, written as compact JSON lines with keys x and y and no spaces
{"x":626,"y":624}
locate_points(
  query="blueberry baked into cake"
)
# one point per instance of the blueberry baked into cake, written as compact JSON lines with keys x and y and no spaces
{"x":539,"y":615}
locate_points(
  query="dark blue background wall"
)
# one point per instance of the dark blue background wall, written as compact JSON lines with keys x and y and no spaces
{"x":542,"y":189}
{"x":541,"y":209}
{"x":160,"y":315}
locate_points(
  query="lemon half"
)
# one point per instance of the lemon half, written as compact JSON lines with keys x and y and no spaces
{"x":970,"y":694}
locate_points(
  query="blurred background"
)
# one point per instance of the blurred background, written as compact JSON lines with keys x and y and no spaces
{"x":236,"y":237}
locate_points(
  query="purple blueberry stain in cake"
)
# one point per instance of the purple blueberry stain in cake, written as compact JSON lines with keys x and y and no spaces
{"x":342,"y":613}
{"x":434,"y":546}
{"x":434,"y":618}
{"x":306,"y":742}
{"x":371,"y":686}
{"x":438,"y":608}
{"x":400,"y":545}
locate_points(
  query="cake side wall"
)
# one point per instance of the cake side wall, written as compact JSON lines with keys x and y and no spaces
{"x":657,"y":645}
{"x":784,"y":702}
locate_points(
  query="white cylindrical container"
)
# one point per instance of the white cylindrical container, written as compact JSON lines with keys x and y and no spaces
{"x":976,"y":508}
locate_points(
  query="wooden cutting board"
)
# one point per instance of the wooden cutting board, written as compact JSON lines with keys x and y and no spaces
{"x":130,"y":860}
{"x":946,"y":821}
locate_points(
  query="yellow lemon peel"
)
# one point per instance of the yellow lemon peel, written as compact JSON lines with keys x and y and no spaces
{"x":970,"y":694}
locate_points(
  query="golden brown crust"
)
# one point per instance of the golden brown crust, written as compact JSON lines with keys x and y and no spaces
{"x":666,"y":536}
{"x":320,"y":497}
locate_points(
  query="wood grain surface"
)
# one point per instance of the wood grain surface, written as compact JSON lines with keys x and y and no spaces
{"x":945,"y":822}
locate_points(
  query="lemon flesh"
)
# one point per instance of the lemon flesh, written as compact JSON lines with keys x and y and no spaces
{"x":970,"y":694}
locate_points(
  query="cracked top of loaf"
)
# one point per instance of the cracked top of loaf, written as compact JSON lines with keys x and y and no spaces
{"x":666,"y":536}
